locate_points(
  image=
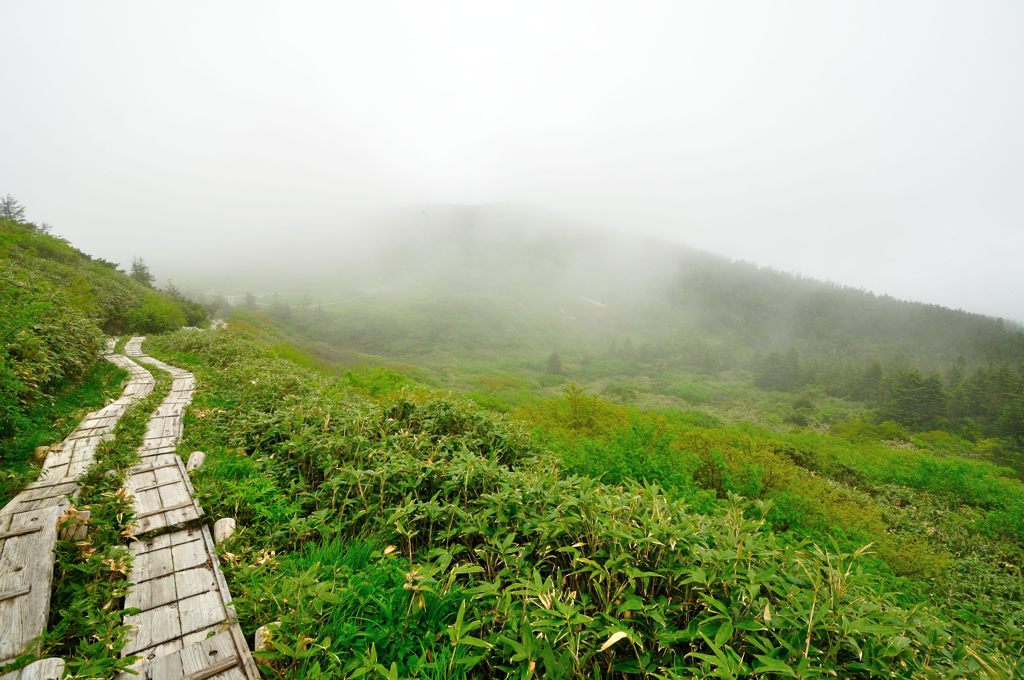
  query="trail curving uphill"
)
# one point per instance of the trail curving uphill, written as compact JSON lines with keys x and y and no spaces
{"x":28,"y":524}
{"x":186,"y":627}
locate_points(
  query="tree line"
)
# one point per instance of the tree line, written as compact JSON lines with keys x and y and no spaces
{"x":975,"y":401}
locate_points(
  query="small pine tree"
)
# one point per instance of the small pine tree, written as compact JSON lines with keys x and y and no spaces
{"x":140,"y":272}
{"x":10,"y":209}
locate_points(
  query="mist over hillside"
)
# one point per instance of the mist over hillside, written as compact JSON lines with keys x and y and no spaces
{"x":578,"y":285}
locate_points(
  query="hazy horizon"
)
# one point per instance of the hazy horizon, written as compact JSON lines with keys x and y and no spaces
{"x":873,"y":145}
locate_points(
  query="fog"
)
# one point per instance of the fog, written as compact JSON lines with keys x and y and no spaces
{"x":236,"y":145}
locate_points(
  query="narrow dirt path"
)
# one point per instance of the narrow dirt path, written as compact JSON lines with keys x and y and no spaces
{"x":28,"y":524}
{"x":186,"y":627}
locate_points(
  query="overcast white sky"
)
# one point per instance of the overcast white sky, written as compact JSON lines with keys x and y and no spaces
{"x":876,"y":144}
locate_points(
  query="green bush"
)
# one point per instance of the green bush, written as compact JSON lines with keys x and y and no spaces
{"x":155,"y":314}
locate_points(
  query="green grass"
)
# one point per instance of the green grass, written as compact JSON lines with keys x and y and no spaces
{"x":51,"y":420}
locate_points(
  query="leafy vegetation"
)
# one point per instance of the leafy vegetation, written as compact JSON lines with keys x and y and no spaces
{"x":393,"y":532}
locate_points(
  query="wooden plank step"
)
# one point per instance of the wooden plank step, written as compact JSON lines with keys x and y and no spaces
{"x":26,"y":556}
{"x":157,"y":592}
{"x":47,"y":483}
{"x":41,"y":495}
{"x":159,"y":455}
{"x":163,"y":497}
{"x":151,"y":467}
{"x":217,"y":656}
{"x":164,"y":541}
{"x":174,"y":620}
{"x":165,"y":509}
{"x":185,"y":552}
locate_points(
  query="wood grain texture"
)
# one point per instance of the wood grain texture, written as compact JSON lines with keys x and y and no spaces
{"x":44,"y":669}
{"x":26,"y":573}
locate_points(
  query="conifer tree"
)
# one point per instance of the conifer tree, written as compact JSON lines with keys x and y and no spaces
{"x":140,"y":272}
{"x":10,"y":209}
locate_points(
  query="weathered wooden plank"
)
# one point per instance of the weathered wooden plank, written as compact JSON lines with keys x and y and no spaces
{"x":157,"y":485}
{"x":177,"y":585}
{"x":17,"y":592}
{"x":166,"y":624}
{"x":165,"y":509}
{"x":166,"y":634}
{"x":162,"y":426}
{"x":192,"y":553}
{"x":149,"y":594}
{"x":208,"y":653}
{"x":44,"y":669}
{"x":153,"y":465}
{"x":26,"y":574}
{"x":72,"y":458}
{"x":41,"y":495}
{"x":22,"y":531}
{"x":164,"y":501}
{"x":155,"y":564}
{"x":213,"y":670}
{"x":169,"y":556}
{"x":162,"y":541}
{"x":201,"y":611}
{"x":51,"y":483}
{"x":156,"y":447}
{"x":96,"y":420}
{"x":151,"y":628}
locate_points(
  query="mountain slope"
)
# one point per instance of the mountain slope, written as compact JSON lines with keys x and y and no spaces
{"x":610,"y":286}
{"x":57,"y":304}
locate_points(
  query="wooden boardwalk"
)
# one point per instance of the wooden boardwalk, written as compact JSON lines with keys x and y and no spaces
{"x":28,"y":523}
{"x":185,"y":626}
{"x":159,"y":485}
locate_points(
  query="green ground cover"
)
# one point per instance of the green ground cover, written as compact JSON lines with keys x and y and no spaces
{"x":398,"y":531}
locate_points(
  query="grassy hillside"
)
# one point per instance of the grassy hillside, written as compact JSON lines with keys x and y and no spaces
{"x":471,"y":292}
{"x":546,"y":480}
{"x":396,"y":531}
{"x":56,"y":305}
